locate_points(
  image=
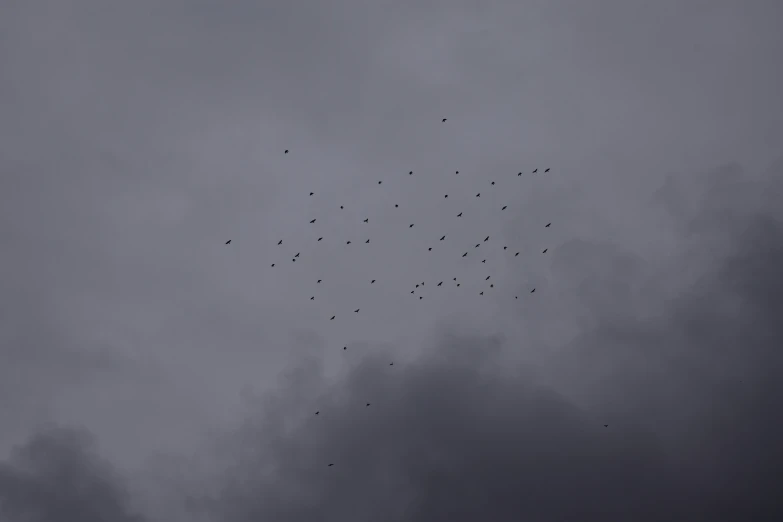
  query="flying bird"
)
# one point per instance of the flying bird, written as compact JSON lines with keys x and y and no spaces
{"x":515,"y":255}
{"x":312,"y":193}
{"x":443,"y":120}
{"x":410,"y":173}
{"x":286,"y":151}
{"x":313,"y":221}
{"x":273,"y":264}
{"x":478,"y":245}
{"x":417,"y":286}
{"x":312,"y":298}
{"x":455,"y":278}
{"x":371,"y":282}
{"x":347,"y":242}
{"x":456,"y":172}
{"x":367,"y":241}
{"x":533,"y":290}
{"x":332,"y":319}
{"x":504,"y":208}
{"x":493,"y":182}
{"x":367,"y":220}
{"x":483,"y":260}
{"x":396,"y":205}
{"x":430,"y":249}
{"x":544,"y":252}
{"x":486,"y":238}
{"x":297,"y":254}
{"x":341,"y":207}
{"x":345,"y":347}
{"x":457,"y":284}
{"x":294,"y":260}
{"x":320,"y":238}
{"x":411,"y":291}
{"x":330,"y":465}
{"x":535,"y":170}
{"x":606,"y":425}
{"x":410,"y":226}
{"x":280,"y":242}
{"x":444,"y":237}
{"x":505,"y":247}
{"x":379,"y":182}
{"x":366,"y":404}
{"x":317,"y":412}
{"x":228,"y":242}
{"x":478,"y":195}
{"x":319,"y":280}
{"x":487,"y":279}
{"x":492,"y":286}
{"x":459,"y":215}
{"x":446,"y":195}
{"x":547,"y":170}
{"x":357,"y":310}
{"x":420,"y":297}
{"x":519,"y":174}
{"x":463,"y":255}
{"x":440,"y":283}
{"x":391,"y":364}
{"x":481,"y":293}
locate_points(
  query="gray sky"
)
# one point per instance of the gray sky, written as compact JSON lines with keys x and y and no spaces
{"x":178,"y":376}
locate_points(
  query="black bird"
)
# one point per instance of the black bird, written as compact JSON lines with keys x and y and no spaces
{"x":535,"y":170}
{"x":544,"y":252}
{"x":273,"y":264}
{"x":456,"y":172}
{"x":459,"y":215}
{"x":280,"y":242}
{"x":504,"y":208}
{"x":367,"y":220}
{"x":422,"y":283}
{"x":367,"y":241}
{"x":411,"y":291}
{"x":463,"y":255}
{"x":417,"y":286}
{"x":419,"y":297}
{"x":313,"y":221}
{"x":332,"y":319}
{"x":478,"y":245}
{"x":515,"y":255}
{"x":505,"y":247}
{"x":345,"y":347}
{"x":487,"y":279}
{"x":366,"y":404}
{"x":341,"y":206}
{"x":396,"y":205}
{"x":444,"y":237}
{"x":320,"y":238}
{"x":330,"y":465}
{"x":410,"y":226}
{"x":379,"y":183}
{"x":547,"y":170}
{"x":356,"y":311}
{"x":317,"y":412}
{"x":519,"y":174}
{"x":371,"y":282}
{"x":410,"y":173}
{"x":294,"y":260}
{"x":457,"y":284}
{"x":391,"y":364}
{"x":455,"y":278}
{"x":443,"y":120}
{"x":347,"y":242}
{"x":286,"y":151}
{"x":446,"y":195}
{"x":486,"y":238}
{"x":478,"y":195}
{"x":319,"y":281}
{"x":481,"y":293}
{"x":516,"y":297}
{"x":440,"y":283}
{"x":430,"y":249}
{"x":297,"y":254}
{"x":228,"y":242}
{"x":493,"y":182}
{"x":492,"y":286}
{"x":312,"y":298}
{"x":533,"y":290}
{"x":483,"y":260}
{"x":312,"y":193}
{"x":547,"y":225}
{"x":606,"y":425}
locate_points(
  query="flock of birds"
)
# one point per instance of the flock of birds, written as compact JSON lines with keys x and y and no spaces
{"x":442,"y":238}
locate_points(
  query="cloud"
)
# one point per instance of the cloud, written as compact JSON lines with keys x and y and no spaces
{"x":57,"y":476}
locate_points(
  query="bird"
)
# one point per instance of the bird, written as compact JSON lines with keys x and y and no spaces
{"x":519,"y":173}
{"x":504,"y":208}
{"x":273,"y":264}
{"x":459,"y":215}
{"x":313,"y":221}
{"x":356,"y":311}
{"x":396,"y":205}
{"x":457,"y":284}
{"x":535,"y":170}
{"x":286,"y":151}
{"x":492,"y":286}
{"x":444,"y":237}
{"x":478,"y":245}
{"x":487,"y":279}
{"x":515,"y":255}
{"x":312,"y":298}
{"x":443,"y":120}
{"x":391,"y":364}
{"x":228,"y":242}
{"x":445,"y":195}
{"x":312,"y":193}
{"x":280,"y":242}
{"x":456,"y":172}
{"x":486,"y":238}
{"x":463,"y":255}
{"x":410,"y":173}
{"x":533,"y":290}
{"x":547,"y":225}
{"x":379,"y":182}
{"x":417,"y":286}
{"x":429,"y":249}
{"x":478,"y":195}
{"x":345,"y":347}
{"x":367,"y":241}
{"x":440,"y":283}
{"x":493,"y":183}
{"x":294,"y":260}
{"x":516,"y":297}
{"x":455,"y":278}
{"x":420,"y":297}
{"x":410,"y":226}
{"x":547,"y":170}
{"x":544,"y":252}
{"x":347,"y":242}
{"x":332,"y":319}
{"x":367,"y":220}
{"x":319,"y":280}
{"x":606,"y":425}
{"x":481,"y":293}
{"x":341,"y":207}
{"x":505,"y":247}
{"x":366,"y":404}
{"x":297,"y":254}
{"x":320,"y":238}
{"x":483,"y":260}
{"x":371,"y":282}
{"x":411,"y":291}
{"x":330,"y":465}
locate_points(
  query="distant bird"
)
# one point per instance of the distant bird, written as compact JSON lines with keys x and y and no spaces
{"x":492,"y":286}
{"x":478,"y":245}
{"x":430,"y":249}
{"x":345,"y":347}
{"x":320,"y":238}
{"x":371,"y":282}
{"x":396,"y":205}
{"x":440,"y":283}
{"x":446,"y":195}
{"x":332,"y":319}
{"x":341,"y":207}
{"x":457,"y":284}
{"x":367,"y":220}
{"x":533,"y":290}
{"x":463,"y":255}
{"x":515,"y":255}
{"x":516,"y":297}
{"x":519,"y":174}
{"x":391,"y":364}
{"x":547,"y":170}
{"x":487,"y":279}
{"x":347,"y":242}
{"x":455,"y":278}
{"x":317,"y":412}
{"x":286,"y":151}
{"x":417,"y":286}
{"x":367,"y":241}
{"x":456,"y":172}
{"x":535,"y":170}
{"x":486,"y":238}
{"x":493,"y":182}
{"x":606,"y":425}
{"x":294,"y":260}
{"x":504,"y":208}
{"x":379,"y":182}
{"x":273,"y":264}
{"x":483,"y":260}
{"x":478,"y":195}
{"x":544,"y":252}
{"x":312,"y":298}
{"x":459,"y":215}
{"x":419,"y":297}
{"x":280,"y":242}
{"x":505,"y":247}
{"x":228,"y":242}
{"x":481,"y":293}
{"x":330,"y":465}
{"x":444,"y":237}
{"x":547,"y":225}
{"x":443,"y":120}
{"x":422,"y":283}
{"x":410,"y":226}
{"x":319,"y":280}
{"x":366,"y":404}
{"x":356,"y":311}
{"x":411,"y":291}
{"x":312,"y":193}
{"x":297,"y":254}
{"x":313,"y":221}
{"x":410,"y":173}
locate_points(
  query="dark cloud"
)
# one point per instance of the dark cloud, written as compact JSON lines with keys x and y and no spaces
{"x":691,"y":395}
{"x":57,"y":477}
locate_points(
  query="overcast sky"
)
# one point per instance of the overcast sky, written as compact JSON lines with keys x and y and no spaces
{"x":149,"y":372}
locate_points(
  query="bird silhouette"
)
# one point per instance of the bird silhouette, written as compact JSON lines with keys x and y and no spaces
{"x":444,"y":237}
{"x":445,"y":195}
{"x":347,"y":242}
{"x":411,"y":291}
{"x":341,"y":207}
{"x":410,"y":226}
{"x":478,"y":195}
{"x":487,"y":279}
{"x":456,"y":172}
{"x":486,"y":238}
{"x":478,"y":245}
{"x":519,"y":173}
{"x":312,"y":193}
{"x":410,"y":173}
{"x":273,"y":264}
{"x":345,"y":347}
{"x":516,"y":297}
{"x":504,"y":208}
{"x":286,"y":151}
{"x":332,"y":319}
{"x":463,"y":255}
{"x":492,"y":286}
{"x":367,"y":241}
{"x":356,"y":311}
{"x":367,"y":220}
{"x":420,"y":297}
{"x":366,"y":404}
{"x":443,"y":120}
{"x":457,"y":284}
{"x":313,"y":221}
{"x":429,"y":249}
{"x":417,"y":286}
{"x":505,"y":247}
{"x":228,"y":242}
{"x":280,"y":242}
{"x":455,"y":278}
{"x":535,"y":170}
{"x":312,"y":298}
{"x":493,"y":182}
{"x":459,"y":215}
{"x":481,"y":293}
{"x":391,"y":364}
{"x":379,"y":182}
{"x":396,"y":205}
{"x":544,"y":252}
{"x":297,"y":254}
{"x":319,"y":280}
{"x":606,"y":425}
{"x":330,"y":465}
{"x":515,"y":255}
{"x":483,"y":260}
{"x":294,"y":260}
{"x":547,"y":225}
{"x":533,"y":290}
{"x":371,"y":282}
{"x":320,"y":238}
{"x":440,"y":283}
{"x":547,"y":170}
